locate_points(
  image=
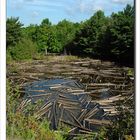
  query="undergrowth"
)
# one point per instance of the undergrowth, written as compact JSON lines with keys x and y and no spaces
{"x":22,"y":127}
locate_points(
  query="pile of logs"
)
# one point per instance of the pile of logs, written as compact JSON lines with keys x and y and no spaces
{"x":84,"y":106}
{"x":64,"y":101}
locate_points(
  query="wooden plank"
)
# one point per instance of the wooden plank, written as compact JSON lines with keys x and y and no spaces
{"x":98,"y":122}
{"x":83,"y":112}
{"x":75,"y":125}
{"x":92,"y":111}
{"x":76,"y":119}
{"x":42,"y":111}
{"x":98,"y":91}
{"x":38,"y":95}
{"x":101,"y":84}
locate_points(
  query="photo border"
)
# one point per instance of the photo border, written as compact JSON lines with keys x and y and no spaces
{"x":137,"y":69}
{"x":3,"y":70}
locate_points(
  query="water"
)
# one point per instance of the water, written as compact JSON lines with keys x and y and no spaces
{"x":65,"y":101}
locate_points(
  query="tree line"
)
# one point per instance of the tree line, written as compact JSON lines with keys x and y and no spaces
{"x":104,"y":37}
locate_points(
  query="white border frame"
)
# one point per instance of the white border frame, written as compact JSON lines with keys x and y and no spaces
{"x":2,"y":70}
{"x":137,"y":74}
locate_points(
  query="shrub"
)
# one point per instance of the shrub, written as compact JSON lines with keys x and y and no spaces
{"x":25,"y":49}
{"x":25,"y":127}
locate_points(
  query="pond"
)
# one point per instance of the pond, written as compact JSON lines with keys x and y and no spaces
{"x":64,"y":101}
{"x":81,"y":94}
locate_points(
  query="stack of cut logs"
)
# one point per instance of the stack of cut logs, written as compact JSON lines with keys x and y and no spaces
{"x":83,"y":107}
{"x":64,"y":101}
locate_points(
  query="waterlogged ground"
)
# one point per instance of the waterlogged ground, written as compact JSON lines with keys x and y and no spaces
{"x":105,"y":82}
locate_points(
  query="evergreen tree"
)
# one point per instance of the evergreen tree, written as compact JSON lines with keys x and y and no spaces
{"x":13,"y":31}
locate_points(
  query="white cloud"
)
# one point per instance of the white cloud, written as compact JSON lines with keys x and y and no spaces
{"x":84,"y":7}
{"x":17,"y":4}
{"x":29,"y":0}
{"x":34,"y":14}
{"x":73,"y":8}
{"x":89,"y":7}
{"x":44,"y":3}
{"x":123,"y":1}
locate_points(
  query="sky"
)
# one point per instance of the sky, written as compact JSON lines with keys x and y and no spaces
{"x":34,"y":11}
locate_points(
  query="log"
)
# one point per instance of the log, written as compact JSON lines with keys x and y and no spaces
{"x":75,"y":125}
{"x":98,"y":91}
{"x":31,"y":96}
{"x":98,"y":122}
{"x":42,"y":111}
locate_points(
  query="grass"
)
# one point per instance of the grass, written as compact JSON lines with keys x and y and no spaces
{"x":130,"y":72}
{"x":65,"y":58}
{"x":21,"y":127}
{"x":58,"y":58}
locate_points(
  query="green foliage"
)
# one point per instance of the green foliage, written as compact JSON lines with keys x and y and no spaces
{"x":12,"y":96}
{"x":8,"y":57}
{"x":44,"y":36}
{"x":122,"y":34}
{"x":87,"y":39}
{"x":100,"y":36}
{"x":107,"y":37}
{"x":25,"y":127}
{"x":122,"y":126}
{"x":54,"y":45}
{"x":129,"y":137}
{"x":30,"y":32}
{"x":102,"y":134}
{"x":13,"y":31}
{"x":46,"y":22}
{"x":130,"y":72}
{"x":25,"y":49}
{"x":65,"y":32}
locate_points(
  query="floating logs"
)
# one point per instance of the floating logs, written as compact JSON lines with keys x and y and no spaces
{"x":64,"y":101}
{"x":84,"y":107}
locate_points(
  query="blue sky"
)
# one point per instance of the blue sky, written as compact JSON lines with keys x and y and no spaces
{"x":33,"y":11}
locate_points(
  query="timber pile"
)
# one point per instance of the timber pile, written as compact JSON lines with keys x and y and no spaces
{"x":64,"y":101}
{"x":104,"y":84}
{"x":85,"y":70}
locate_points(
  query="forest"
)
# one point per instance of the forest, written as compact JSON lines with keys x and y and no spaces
{"x":103,"y":37}
{"x":98,"y":52}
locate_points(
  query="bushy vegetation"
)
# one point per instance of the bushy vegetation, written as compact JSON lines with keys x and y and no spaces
{"x":13,"y":31}
{"x":122,"y":126}
{"x":26,"y":127}
{"x":107,"y":37}
{"x":101,"y":37}
{"x":24,"y":50}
